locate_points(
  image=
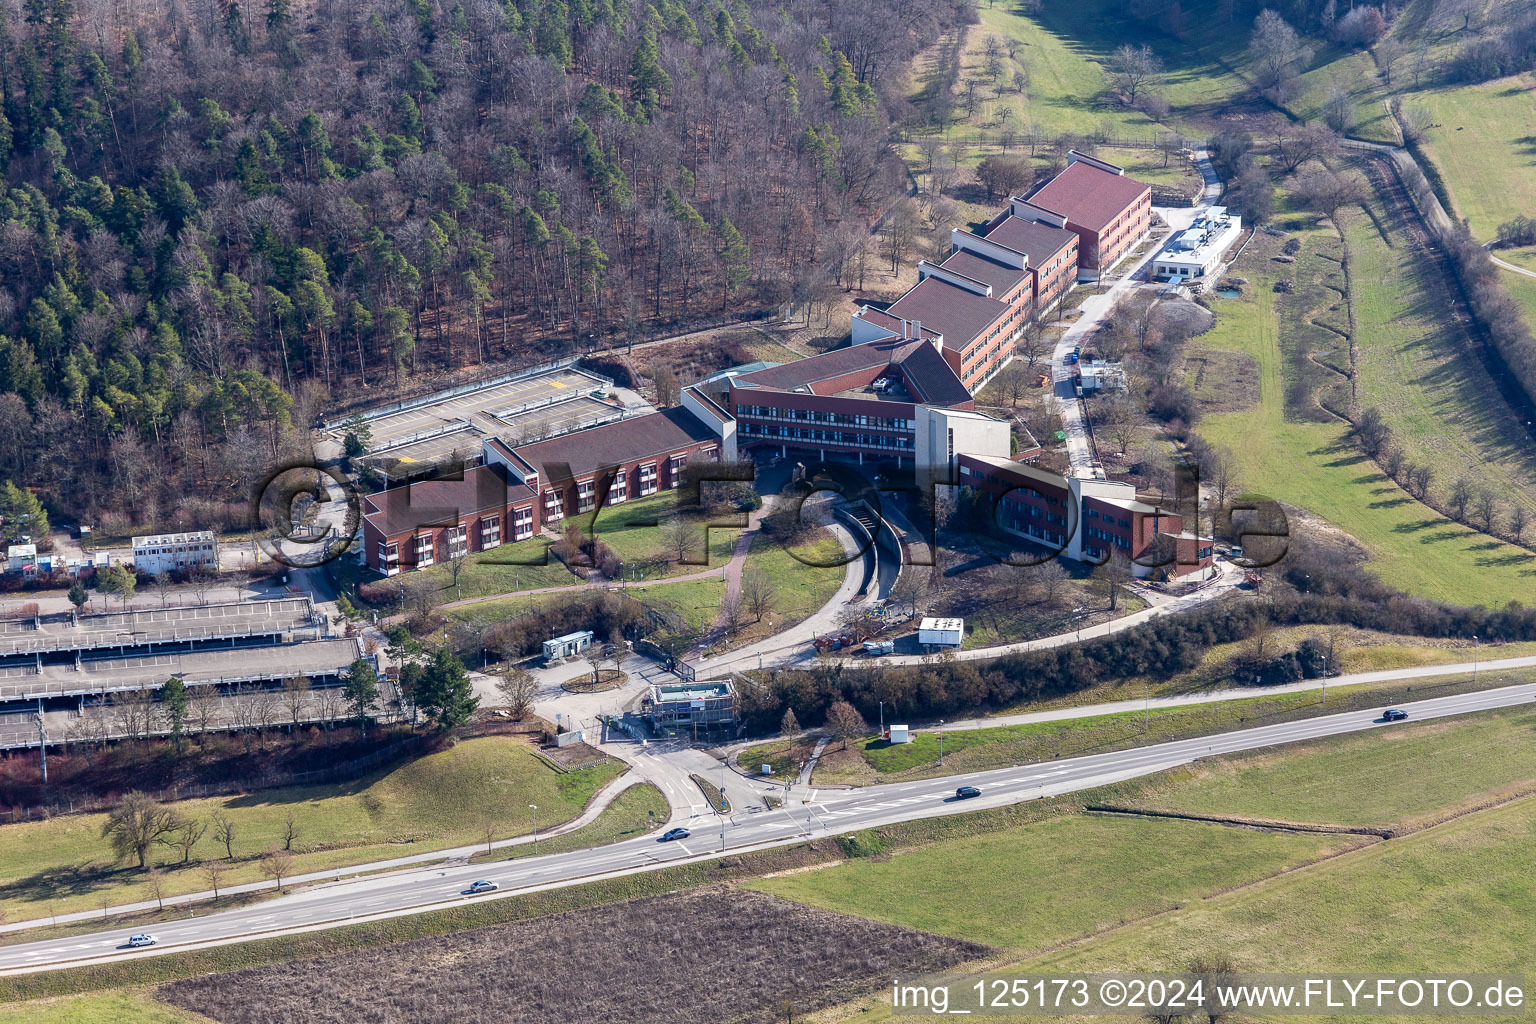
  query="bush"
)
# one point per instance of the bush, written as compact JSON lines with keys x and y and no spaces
{"x":1361,"y":27}
{"x":1519,"y":231}
{"x":1169,"y":402}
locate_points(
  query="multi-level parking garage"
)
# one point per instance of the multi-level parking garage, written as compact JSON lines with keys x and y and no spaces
{"x":99,"y":675}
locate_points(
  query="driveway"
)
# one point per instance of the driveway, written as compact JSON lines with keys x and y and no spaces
{"x":1097,"y":307}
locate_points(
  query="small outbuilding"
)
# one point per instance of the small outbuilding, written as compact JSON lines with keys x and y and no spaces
{"x":898,"y":734}
{"x":941,"y":632}
{"x":565,"y":646}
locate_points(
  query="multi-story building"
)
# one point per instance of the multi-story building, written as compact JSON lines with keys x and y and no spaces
{"x":895,"y":398}
{"x":519,"y":491}
{"x":1109,"y":212}
{"x":175,"y":552}
{"x":1085,"y":519}
{"x":613,"y":463}
{"x":434,"y":520}
{"x":976,"y":302}
{"x":1050,"y":252}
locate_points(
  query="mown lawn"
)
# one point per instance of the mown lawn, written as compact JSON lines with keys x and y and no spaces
{"x":1484,"y":143}
{"x":1315,"y":466}
{"x":436,"y":801}
{"x":1421,"y":371}
{"x":1387,"y":778}
{"x":800,"y":586}
{"x":121,"y":1006}
{"x":637,"y":531}
{"x":1463,"y":893}
{"x":967,"y":750}
{"x":1030,"y":887}
{"x":634,"y":812}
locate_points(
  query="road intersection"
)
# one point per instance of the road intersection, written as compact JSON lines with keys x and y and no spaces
{"x":809,"y":813}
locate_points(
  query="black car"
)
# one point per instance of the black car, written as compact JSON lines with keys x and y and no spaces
{"x":1393,"y":715}
{"x":966,"y":792}
{"x":675,"y":833}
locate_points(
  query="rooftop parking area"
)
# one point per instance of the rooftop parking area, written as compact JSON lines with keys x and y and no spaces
{"x":319,"y":659}
{"x":543,"y":405}
{"x":141,"y":628}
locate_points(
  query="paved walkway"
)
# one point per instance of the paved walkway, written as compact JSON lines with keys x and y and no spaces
{"x":733,"y":572}
{"x":1096,"y":307}
{"x":1235,"y":693}
{"x":793,"y":645}
{"x":459,"y":854}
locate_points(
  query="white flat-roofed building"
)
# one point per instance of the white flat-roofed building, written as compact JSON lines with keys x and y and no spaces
{"x":941,"y":632}
{"x":1196,"y":251}
{"x":159,"y":553}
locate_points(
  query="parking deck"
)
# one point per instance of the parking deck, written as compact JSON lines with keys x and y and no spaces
{"x":543,"y":405}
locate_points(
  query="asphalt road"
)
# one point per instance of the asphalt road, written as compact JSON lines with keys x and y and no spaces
{"x":810,"y":813}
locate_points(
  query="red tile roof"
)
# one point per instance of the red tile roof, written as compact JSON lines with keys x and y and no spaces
{"x":928,"y":377}
{"x":427,"y":503}
{"x":1000,"y":276}
{"x":1040,"y":242}
{"x":613,"y":444}
{"x":1087,"y":196}
{"x":956,"y":313}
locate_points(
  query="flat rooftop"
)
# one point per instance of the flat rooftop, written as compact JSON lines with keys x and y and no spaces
{"x":141,"y":627}
{"x":243,"y":665}
{"x":692,"y":691}
{"x":543,"y":405}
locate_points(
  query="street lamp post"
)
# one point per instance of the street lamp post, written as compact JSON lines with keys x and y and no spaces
{"x":1077,"y":613}
{"x":941,"y":742}
{"x":535,"y":809}
{"x":1325,"y":679}
{"x":1474,"y":659}
{"x":882,"y":718}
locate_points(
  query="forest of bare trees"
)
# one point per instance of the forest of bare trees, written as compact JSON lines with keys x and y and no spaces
{"x":223,"y":216}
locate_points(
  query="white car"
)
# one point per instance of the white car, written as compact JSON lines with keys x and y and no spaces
{"x":142,"y":940}
{"x":476,"y":888}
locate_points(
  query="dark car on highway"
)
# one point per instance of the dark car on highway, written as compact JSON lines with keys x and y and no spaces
{"x":966,"y":792}
{"x":675,"y":833}
{"x":1393,"y":715}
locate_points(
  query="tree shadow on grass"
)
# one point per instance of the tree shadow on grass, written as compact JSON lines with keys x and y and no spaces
{"x":80,"y":879}
{"x":1419,"y":524}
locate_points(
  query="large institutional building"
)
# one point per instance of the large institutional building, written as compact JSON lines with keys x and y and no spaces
{"x":975,"y":303}
{"x":900,"y":395}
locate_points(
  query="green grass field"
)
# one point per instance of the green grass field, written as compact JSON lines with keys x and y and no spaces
{"x":799,"y":588}
{"x":123,"y":1006}
{"x":1484,"y":143}
{"x":634,"y":812}
{"x":633,"y":529}
{"x":1405,"y":773}
{"x":1422,"y":372}
{"x":1463,"y":894}
{"x":1124,"y":893}
{"x":1065,"y":48}
{"x":1033,"y":886}
{"x":433,"y":802}
{"x":1314,"y":465}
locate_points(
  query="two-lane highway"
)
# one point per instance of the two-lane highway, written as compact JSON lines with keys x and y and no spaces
{"x":809,"y":813}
